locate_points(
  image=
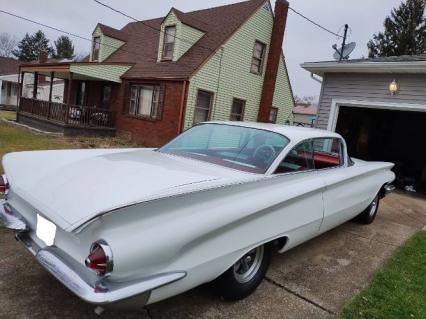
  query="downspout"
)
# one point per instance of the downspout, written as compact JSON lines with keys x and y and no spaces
{"x":315,"y":78}
{"x":219,"y":76}
{"x":182,"y":106}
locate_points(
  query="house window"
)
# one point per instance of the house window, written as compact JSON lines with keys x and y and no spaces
{"x":273,"y":115}
{"x":203,"y":107}
{"x":258,"y":57}
{"x":237,"y":110}
{"x":96,"y":48}
{"x":9,"y":89}
{"x":144,"y":100}
{"x":169,"y":42}
{"x":13,"y":89}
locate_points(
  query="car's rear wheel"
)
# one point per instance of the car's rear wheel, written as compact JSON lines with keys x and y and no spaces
{"x":370,"y":213}
{"x":245,"y":275}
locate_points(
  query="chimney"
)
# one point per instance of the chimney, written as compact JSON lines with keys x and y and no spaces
{"x":42,"y":57}
{"x":274,"y":56}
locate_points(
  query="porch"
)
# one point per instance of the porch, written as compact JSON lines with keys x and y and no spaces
{"x":85,"y":107}
{"x":69,"y":119}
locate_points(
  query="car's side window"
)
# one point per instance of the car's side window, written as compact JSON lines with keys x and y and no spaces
{"x":328,"y":153}
{"x":299,"y":159}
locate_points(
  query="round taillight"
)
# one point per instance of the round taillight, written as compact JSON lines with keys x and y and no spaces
{"x":3,"y":184}
{"x":100,"y":258}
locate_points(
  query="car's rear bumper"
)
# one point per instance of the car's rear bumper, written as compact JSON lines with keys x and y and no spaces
{"x":80,"y":280}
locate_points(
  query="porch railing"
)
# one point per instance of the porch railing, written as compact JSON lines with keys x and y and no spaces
{"x":68,"y":114}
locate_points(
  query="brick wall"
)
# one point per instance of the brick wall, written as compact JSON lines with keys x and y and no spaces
{"x":148,"y":132}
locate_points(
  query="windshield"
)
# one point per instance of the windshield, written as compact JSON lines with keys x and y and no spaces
{"x":246,"y":149}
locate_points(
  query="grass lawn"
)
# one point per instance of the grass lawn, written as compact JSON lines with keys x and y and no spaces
{"x":399,"y":289}
{"x":8,"y":115}
{"x":14,"y":139}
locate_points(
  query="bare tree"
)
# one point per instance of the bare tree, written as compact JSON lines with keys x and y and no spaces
{"x":312,"y":100}
{"x":81,"y":56}
{"x":7,"y":44}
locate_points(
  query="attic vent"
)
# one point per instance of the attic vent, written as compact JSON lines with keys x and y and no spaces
{"x":267,"y":6}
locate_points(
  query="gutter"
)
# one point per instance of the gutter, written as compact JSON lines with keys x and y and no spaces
{"x":320,"y":68}
{"x":315,"y":78}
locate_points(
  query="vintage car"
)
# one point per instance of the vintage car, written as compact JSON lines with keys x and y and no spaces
{"x":135,"y":226}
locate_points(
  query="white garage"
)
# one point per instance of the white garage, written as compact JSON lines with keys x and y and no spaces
{"x":379,"y":106}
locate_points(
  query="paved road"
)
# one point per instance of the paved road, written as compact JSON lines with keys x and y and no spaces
{"x":314,"y":280}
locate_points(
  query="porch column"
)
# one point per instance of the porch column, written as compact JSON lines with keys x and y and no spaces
{"x":52,"y":74}
{"x":35,"y":85}
{"x":70,"y":76}
{"x":20,"y":92}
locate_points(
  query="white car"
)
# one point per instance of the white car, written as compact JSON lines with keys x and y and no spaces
{"x":136,"y":226}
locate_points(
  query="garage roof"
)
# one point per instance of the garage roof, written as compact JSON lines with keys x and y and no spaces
{"x":394,"y":64}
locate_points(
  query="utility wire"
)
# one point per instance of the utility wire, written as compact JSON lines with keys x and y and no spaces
{"x":73,"y":34}
{"x":185,"y":40}
{"x":315,"y":23}
{"x":149,"y":26}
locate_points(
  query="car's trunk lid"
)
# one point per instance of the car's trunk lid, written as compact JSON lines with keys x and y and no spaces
{"x":71,"y":187}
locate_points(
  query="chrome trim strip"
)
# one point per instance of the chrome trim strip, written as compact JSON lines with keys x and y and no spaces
{"x":102,"y":292}
{"x":10,"y":220}
{"x":77,"y":278}
{"x":389,"y":188}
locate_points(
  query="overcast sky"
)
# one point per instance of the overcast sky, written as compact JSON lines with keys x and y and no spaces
{"x":303,"y":41}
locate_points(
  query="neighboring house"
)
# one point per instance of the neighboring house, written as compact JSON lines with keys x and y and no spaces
{"x":305,"y":114}
{"x":9,"y":70}
{"x":223,"y":63}
{"x":379,"y":106}
{"x":9,"y":82}
{"x":43,"y":88}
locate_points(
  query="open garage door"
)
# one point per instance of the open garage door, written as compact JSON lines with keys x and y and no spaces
{"x":388,"y":135}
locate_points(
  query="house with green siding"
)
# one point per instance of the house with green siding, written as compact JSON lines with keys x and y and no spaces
{"x":154,"y":79}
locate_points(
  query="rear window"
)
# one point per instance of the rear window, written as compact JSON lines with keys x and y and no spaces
{"x":243,"y":148}
{"x":328,"y":153}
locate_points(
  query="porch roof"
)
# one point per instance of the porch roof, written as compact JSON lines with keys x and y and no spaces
{"x":88,"y":71}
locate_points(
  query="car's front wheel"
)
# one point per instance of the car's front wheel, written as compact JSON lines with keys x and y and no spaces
{"x":370,"y":213}
{"x":245,"y":275}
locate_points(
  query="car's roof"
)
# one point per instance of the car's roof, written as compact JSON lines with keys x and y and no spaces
{"x":294,"y":133}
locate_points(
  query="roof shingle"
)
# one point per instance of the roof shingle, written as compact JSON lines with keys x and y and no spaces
{"x":9,"y":66}
{"x":113,"y":33}
{"x":218,"y":23}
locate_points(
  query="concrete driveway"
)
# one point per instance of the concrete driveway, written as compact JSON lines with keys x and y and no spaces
{"x":314,"y":280}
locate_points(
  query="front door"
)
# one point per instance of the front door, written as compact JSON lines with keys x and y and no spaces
{"x":106,"y":96}
{"x":81,"y":96}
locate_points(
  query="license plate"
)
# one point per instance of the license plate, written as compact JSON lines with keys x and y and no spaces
{"x":46,"y":230}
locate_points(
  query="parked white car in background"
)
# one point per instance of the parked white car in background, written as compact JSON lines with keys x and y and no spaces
{"x":136,"y":226}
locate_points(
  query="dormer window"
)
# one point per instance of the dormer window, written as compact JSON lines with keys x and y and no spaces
{"x":169,"y":42}
{"x":95,"y":48}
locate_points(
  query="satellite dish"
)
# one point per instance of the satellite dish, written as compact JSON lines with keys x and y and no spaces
{"x":348,"y":49}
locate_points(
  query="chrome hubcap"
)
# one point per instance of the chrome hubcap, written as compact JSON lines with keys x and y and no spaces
{"x":247,"y":267}
{"x":373,"y":207}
